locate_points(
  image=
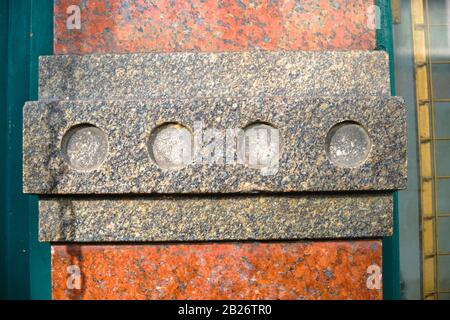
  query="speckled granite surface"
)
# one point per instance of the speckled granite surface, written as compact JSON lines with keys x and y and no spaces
{"x":237,"y":270}
{"x":269,"y":217}
{"x":225,"y":25}
{"x":304,"y":125}
{"x":190,"y":75}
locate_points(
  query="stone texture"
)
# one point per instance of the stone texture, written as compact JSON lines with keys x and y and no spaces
{"x":256,"y":217}
{"x":303,"y":165}
{"x":122,"y":26}
{"x":283,"y":270}
{"x":311,"y":270}
{"x":191,"y":75}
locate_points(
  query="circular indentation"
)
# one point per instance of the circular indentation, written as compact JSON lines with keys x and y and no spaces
{"x":171,"y":146}
{"x":85,"y":147}
{"x":348,"y":144}
{"x":259,"y":146}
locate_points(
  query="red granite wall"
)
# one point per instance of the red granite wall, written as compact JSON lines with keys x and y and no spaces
{"x":293,"y":270}
{"x":122,"y":26}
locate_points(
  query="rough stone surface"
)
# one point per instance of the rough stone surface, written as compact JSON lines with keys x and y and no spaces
{"x":303,"y":125}
{"x":122,"y":26}
{"x":300,"y":270}
{"x":268,"y":217}
{"x":191,"y":75}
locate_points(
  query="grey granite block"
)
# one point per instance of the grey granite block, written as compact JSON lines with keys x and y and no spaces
{"x":235,"y":74}
{"x":155,"y":146}
{"x":202,"y":218}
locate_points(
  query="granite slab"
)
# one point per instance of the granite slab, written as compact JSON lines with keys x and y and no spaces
{"x":231,"y":74}
{"x":205,"y":218}
{"x":219,"y":271}
{"x":209,"y":146}
{"x":213,"y":26}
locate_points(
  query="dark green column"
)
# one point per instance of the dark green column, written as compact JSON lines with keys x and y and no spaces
{"x":391,"y":258}
{"x":26,"y":33}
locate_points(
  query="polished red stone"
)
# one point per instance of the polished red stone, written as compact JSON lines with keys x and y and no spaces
{"x":213,"y":25}
{"x":299,"y":270}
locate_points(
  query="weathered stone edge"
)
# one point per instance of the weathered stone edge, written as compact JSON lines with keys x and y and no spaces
{"x":208,"y":218}
{"x":190,"y":74}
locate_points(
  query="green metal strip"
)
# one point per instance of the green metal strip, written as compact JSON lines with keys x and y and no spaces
{"x":26,"y":34}
{"x":3,"y":147}
{"x":391,"y":255}
{"x":16,"y":202}
{"x":41,"y":44}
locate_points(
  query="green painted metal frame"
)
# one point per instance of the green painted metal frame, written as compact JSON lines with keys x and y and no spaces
{"x":391,"y":245}
{"x":26,"y":33}
{"x":3,"y":146}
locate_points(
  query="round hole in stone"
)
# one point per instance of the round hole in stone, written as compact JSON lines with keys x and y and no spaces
{"x":259,"y":146}
{"x":171,"y":146}
{"x":84,"y":147}
{"x":348,"y":144}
